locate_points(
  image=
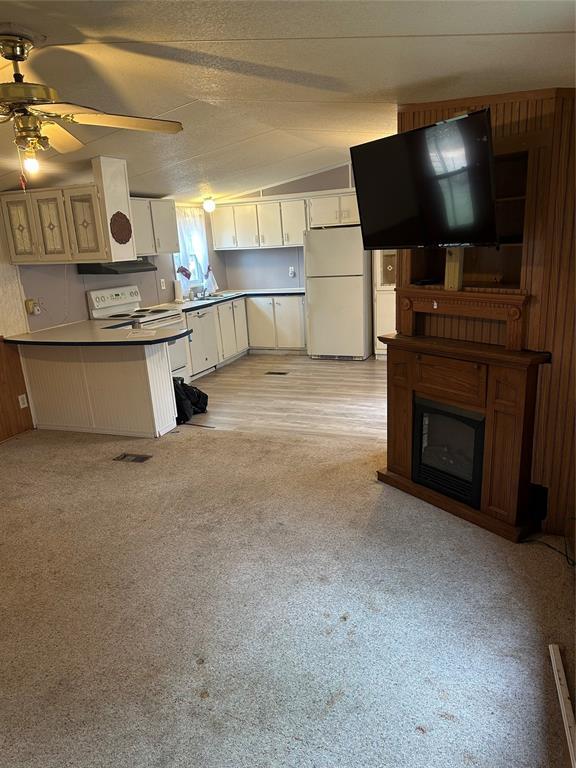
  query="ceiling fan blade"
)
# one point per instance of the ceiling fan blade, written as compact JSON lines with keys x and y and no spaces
{"x":60,"y":138}
{"x":76,"y":113}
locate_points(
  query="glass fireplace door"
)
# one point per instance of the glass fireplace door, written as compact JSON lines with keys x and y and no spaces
{"x":447,"y":450}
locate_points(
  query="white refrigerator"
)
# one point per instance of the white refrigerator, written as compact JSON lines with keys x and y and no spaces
{"x":338,"y":293}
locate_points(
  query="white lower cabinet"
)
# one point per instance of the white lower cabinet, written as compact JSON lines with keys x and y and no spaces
{"x":227,"y":330}
{"x":204,"y":339}
{"x":289,"y":316}
{"x":276,"y":322}
{"x":261,"y":326}
{"x":240,"y":324}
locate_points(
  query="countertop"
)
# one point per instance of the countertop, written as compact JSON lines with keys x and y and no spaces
{"x":87,"y":333}
{"x":190,"y":306}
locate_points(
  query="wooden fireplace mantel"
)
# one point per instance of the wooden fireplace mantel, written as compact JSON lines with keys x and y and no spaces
{"x":506,"y":307}
{"x":488,"y":380}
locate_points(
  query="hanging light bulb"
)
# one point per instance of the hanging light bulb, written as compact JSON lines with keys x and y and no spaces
{"x":209,"y":205}
{"x":31,"y":164}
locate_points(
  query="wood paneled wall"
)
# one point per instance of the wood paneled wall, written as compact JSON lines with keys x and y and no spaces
{"x":13,"y":419}
{"x":547,"y":269}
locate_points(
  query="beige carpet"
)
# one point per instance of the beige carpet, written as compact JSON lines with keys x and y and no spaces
{"x":251,"y":601}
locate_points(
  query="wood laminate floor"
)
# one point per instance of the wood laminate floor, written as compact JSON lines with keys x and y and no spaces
{"x":328,"y":397}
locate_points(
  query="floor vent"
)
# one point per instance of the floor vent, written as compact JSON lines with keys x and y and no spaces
{"x":276,"y":373}
{"x":137,"y":458}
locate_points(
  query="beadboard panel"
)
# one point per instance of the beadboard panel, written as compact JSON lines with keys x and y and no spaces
{"x":160,"y":382}
{"x":547,"y":270}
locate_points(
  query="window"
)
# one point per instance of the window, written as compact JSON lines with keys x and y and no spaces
{"x":193,"y":255}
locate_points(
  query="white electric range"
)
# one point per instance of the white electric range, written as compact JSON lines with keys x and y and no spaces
{"x":114,"y":307}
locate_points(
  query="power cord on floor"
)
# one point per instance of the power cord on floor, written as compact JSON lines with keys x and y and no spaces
{"x":571,"y":562}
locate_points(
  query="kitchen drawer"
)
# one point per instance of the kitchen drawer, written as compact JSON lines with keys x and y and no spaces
{"x":456,"y":380}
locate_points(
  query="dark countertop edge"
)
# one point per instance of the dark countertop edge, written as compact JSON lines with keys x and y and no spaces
{"x":127,"y":343}
{"x":240,"y":295}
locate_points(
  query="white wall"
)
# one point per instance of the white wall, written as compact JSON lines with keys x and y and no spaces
{"x":12,"y":313}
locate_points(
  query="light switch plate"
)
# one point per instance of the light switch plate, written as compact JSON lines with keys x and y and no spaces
{"x":23,"y":400}
{"x":162,"y":284}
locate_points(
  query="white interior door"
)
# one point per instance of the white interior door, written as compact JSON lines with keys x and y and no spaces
{"x":293,"y":221}
{"x":335,"y":314}
{"x":269,"y":224}
{"x":260,"y":314}
{"x":246,"y":226}
{"x":384,"y":316}
{"x":142,"y":226}
{"x":289,"y":313}
{"x":334,"y":252}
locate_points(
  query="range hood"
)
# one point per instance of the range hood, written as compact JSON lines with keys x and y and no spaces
{"x":117,"y":267}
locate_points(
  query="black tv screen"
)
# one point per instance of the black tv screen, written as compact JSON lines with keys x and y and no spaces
{"x":430,"y":187}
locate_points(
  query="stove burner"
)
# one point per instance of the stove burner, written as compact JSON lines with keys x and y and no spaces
{"x":154,"y":311}
{"x":122,"y":314}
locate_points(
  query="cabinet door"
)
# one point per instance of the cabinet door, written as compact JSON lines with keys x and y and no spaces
{"x":324,"y":211}
{"x":143,"y":229}
{"x":227,"y":330}
{"x":20,"y":233}
{"x":165,"y":226}
{"x":246,"y":226}
{"x":384,"y":316}
{"x":50,"y":223}
{"x":223,"y":227}
{"x":203,"y":343}
{"x":260,"y":315}
{"x":349,"y":210}
{"x":269,"y":224}
{"x":384,"y":269}
{"x":240,"y":324}
{"x":85,"y":224}
{"x":289,"y":312}
{"x":293,"y":221}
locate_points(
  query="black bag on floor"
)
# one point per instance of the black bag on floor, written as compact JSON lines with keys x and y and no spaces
{"x":189,"y":400}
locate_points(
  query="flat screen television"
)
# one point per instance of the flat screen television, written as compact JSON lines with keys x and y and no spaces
{"x":428,"y":188}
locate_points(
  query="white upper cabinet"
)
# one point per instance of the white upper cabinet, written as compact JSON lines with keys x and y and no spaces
{"x":223,"y":227}
{"x":84,"y":224}
{"x":333,"y":211}
{"x":111,"y":178}
{"x":20,"y":231}
{"x":324,"y":211}
{"x":165,"y":226}
{"x":51,"y":230}
{"x":349,"y":210}
{"x":155,"y":226}
{"x":246,"y":226}
{"x":269,"y":224}
{"x":293,"y":221}
{"x":142,"y":226}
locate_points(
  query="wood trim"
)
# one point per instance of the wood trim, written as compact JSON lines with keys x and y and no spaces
{"x":508,"y":308}
{"x":13,"y":419}
{"x":498,"y":98}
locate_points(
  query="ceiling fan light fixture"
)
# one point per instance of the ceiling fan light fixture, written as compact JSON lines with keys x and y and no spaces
{"x":209,"y":205}
{"x":30,"y":162}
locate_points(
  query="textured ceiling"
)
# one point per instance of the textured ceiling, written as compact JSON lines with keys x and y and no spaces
{"x":269,"y":91}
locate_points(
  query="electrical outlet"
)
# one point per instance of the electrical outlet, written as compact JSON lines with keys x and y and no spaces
{"x":162,"y":284}
{"x":32,"y":306}
{"x":291,"y":272}
{"x":23,"y":400}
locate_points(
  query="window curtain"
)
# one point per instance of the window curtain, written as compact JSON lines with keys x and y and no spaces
{"x":193,"y":255}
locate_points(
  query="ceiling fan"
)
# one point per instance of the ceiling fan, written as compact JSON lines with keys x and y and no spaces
{"x":37,"y":112}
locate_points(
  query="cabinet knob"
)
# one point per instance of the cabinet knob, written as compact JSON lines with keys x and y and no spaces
{"x":418,"y":357}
